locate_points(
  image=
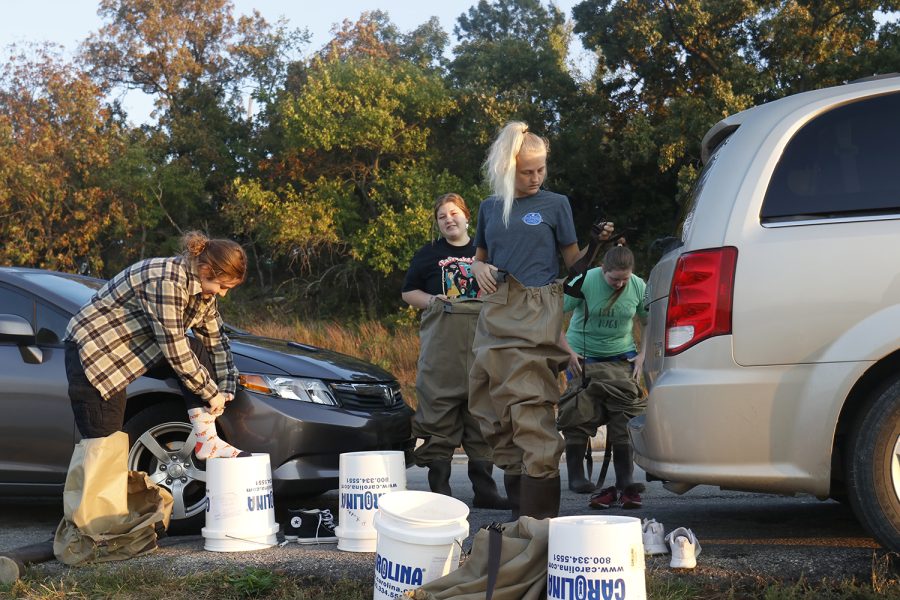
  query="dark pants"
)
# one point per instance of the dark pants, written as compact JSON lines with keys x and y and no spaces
{"x":96,"y":417}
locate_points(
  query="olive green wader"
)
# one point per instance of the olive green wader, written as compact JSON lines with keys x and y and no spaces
{"x":612,"y":398}
{"x":442,"y":416}
{"x":513,"y":391}
{"x":520,"y":572}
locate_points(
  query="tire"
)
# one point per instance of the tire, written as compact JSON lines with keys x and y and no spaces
{"x":873,"y":466}
{"x":161,"y":443}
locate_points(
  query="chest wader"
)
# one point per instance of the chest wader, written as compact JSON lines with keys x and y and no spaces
{"x":442,"y":416}
{"x":611,"y":398}
{"x":513,"y":390}
{"x":110,"y":513}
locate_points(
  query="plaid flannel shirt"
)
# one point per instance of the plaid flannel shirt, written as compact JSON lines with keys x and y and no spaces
{"x":143,"y":314}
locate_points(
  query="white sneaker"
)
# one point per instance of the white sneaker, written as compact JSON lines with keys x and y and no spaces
{"x":653,"y":536}
{"x":685,"y":548}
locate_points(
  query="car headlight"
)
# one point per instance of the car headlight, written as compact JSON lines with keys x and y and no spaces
{"x":291,"y":388}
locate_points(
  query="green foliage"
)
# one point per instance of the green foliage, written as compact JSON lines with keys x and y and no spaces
{"x":325,"y":165}
{"x":673,"y":69}
{"x":57,"y":142}
{"x":515,"y":51}
{"x":367,"y":108}
{"x":356,"y":145}
{"x":406,"y":218}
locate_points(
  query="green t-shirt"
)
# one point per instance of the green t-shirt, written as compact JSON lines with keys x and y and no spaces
{"x":608,"y":331}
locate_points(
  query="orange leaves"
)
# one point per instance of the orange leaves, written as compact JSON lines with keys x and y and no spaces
{"x":55,"y":142}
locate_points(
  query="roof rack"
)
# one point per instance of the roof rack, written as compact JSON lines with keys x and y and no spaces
{"x":875,"y":77}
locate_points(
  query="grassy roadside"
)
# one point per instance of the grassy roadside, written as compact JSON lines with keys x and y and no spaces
{"x":394,"y":349}
{"x":393,"y":346}
{"x":152,"y":583}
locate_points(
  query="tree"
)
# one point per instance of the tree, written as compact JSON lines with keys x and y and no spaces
{"x":810,"y":45}
{"x":57,"y":140}
{"x":515,"y":51}
{"x":161,"y":47}
{"x":354,"y":154}
{"x":673,"y":69}
{"x":201,"y":64}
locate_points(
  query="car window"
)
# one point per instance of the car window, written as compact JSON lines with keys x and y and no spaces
{"x":686,"y":218}
{"x":13,"y":302}
{"x":77,"y":288}
{"x":50,"y":324}
{"x":843,"y":163}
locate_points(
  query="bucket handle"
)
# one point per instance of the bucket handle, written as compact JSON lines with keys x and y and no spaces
{"x":234,"y":537}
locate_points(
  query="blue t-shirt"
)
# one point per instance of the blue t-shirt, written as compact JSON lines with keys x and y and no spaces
{"x":538,"y":226}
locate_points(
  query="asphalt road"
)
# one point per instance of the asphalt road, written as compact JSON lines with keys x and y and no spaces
{"x":741,"y":534}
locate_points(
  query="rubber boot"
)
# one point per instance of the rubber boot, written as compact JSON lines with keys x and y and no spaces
{"x":439,"y":477}
{"x":484,"y":486}
{"x":623,"y":465}
{"x":513,"y":485}
{"x":13,"y":562}
{"x":623,"y":462}
{"x":578,"y":482}
{"x":540,"y":497}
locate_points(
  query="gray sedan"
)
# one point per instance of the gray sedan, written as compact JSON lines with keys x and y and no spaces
{"x":301,"y":404}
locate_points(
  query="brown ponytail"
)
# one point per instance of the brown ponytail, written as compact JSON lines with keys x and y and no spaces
{"x":225,"y":258}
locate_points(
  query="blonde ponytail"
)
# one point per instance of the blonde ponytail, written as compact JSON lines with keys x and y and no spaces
{"x":500,"y":166}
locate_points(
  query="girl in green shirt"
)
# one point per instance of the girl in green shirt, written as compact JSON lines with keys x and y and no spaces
{"x":600,"y":342}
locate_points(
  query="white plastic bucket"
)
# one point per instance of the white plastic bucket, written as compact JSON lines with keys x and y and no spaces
{"x":240,"y":506}
{"x":364,"y":478}
{"x":595,"y":557}
{"x":419,"y":539}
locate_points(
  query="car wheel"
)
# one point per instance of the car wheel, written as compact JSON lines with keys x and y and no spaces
{"x":873,"y":466}
{"x":161,"y":444}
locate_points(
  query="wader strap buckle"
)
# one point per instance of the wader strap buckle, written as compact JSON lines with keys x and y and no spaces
{"x":495,"y":539}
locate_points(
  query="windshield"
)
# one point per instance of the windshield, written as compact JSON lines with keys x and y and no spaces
{"x":74,"y":287}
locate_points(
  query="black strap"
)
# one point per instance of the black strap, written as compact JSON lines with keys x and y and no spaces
{"x":589,"y":458}
{"x":585,"y":382}
{"x":495,"y":539}
{"x":607,"y":454}
{"x":584,"y":263}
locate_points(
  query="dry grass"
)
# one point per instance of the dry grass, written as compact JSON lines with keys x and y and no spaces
{"x":395,"y":349}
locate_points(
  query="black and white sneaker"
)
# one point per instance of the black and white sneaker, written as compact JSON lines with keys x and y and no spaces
{"x":311,"y":526}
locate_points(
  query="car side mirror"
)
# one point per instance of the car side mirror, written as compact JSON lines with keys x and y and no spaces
{"x":17,"y":330}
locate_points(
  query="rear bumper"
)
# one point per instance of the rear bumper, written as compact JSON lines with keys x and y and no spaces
{"x":767,"y":429}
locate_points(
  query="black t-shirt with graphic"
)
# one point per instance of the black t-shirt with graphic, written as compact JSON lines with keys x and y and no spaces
{"x":441,"y":268}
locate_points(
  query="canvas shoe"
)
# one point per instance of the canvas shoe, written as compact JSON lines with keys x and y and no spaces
{"x":605,"y":497}
{"x":631,"y":496}
{"x":653,"y":536}
{"x":685,"y":548}
{"x":310,"y":527}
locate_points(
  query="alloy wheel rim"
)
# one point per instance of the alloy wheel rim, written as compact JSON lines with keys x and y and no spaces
{"x":165,"y":453}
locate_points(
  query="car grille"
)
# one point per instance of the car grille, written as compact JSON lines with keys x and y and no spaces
{"x":368,"y":396}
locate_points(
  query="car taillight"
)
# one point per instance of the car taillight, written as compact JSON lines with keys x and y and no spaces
{"x":701,"y":297}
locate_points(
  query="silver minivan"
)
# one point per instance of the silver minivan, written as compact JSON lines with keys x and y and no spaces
{"x":774,"y":350}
